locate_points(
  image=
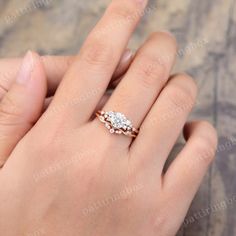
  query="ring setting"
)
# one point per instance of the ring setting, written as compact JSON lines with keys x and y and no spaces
{"x":117,"y":123}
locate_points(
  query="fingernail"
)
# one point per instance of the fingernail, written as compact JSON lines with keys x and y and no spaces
{"x":26,"y":69}
{"x":124,"y":63}
{"x":127,"y":56}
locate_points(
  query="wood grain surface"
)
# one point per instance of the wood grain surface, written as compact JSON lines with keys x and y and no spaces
{"x":206,"y":33}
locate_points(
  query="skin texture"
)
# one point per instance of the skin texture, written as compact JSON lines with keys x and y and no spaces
{"x":67,"y":175}
{"x":54,"y":69}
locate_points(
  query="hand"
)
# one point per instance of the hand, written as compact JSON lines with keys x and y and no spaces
{"x":55,"y":68}
{"x":21,"y":106}
{"x":70,"y":176}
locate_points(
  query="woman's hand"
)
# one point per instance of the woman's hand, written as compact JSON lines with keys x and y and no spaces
{"x":55,"y":68}
{"x":70,"y":176}
{"x":21,"y":107}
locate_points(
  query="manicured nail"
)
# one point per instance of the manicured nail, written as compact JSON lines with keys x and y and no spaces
{"x":26,"y":69}
{"x":124,"y":63}
{"x":127,"y":56}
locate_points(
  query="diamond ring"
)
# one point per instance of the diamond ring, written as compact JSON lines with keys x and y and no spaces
{"x":117,"y":123}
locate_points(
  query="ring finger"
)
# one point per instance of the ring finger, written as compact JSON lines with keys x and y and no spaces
{"x":164,"y":123}
{"x":146,"y":77}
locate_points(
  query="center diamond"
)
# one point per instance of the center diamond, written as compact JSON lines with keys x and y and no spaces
{"x":118,"y":120}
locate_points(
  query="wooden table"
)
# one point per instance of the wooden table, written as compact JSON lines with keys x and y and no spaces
{"x":206,"y":32}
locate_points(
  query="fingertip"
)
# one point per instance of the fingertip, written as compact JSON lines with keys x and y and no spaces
{"x":204,"y":128}
{"x":30,"y":88}
{"x":22,"y":105}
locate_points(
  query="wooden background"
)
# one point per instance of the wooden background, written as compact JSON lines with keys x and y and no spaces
{"x":206,"y":32}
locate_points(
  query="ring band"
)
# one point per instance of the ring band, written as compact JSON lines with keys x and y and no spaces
{"x":117,"y":123}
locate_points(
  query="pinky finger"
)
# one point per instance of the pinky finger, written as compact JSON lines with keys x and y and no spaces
{"x":185,"y":174}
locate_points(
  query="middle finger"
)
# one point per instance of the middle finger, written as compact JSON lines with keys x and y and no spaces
{"x":97,"y":61}
{"x":147,"y":75}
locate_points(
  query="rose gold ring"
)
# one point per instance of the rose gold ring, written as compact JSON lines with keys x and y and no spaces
{"x":117,"y":123}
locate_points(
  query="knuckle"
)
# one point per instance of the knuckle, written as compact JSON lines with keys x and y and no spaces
{"x":182,"y":92}
{"x":151,"y":71}
{"x":97,"y":53}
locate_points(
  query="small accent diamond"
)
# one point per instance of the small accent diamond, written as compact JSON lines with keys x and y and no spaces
{"x":112,"y":131}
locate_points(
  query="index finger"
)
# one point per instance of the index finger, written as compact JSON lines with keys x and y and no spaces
{"x":98,"y":58}
{"x":55,"y":69}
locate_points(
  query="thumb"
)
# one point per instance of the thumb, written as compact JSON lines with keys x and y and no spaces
{"x":22,"y":105}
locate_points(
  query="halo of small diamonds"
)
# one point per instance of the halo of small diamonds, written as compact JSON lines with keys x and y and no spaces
{"x":117,"y":123}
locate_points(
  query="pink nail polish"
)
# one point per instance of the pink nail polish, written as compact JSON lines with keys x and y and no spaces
{"x":26,"y":69}
{"x":127,"y":56}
